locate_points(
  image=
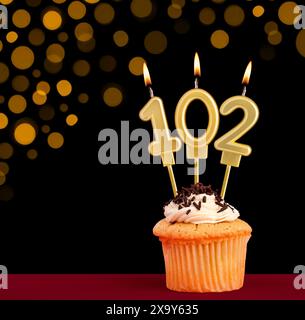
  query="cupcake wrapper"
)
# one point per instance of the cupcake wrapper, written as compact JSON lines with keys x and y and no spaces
{"x":205,"y":267}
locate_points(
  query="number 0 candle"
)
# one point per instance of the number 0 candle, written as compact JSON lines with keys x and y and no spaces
{"x":164,"y":145}
{"x":197,"y":148}
{"x":232,"y":151}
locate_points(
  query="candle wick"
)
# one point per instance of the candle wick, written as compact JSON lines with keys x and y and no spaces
{"x":196,"y":83}
{"x":151,"y":92}
{"x":244,"y":91}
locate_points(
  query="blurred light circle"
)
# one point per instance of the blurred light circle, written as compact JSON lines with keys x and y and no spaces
{"x":6,"y":150}
{"x":258,"y":11}
{"x":207,"y":16}
{"x":43,"y":86}
{"x":55,"y":140}
{"x":270,"y":27}
{"x":275,"y":37}
{"x":234,"y":15}
{"x":104,"y":13}
{"x":39,"y":97}
{"x":64,"y":87}
{"x":112,"y":96}
{"x":76,"y":10}
{"x":47,"y":113}
{"x":83,"y":32}
{"x":219,"y":39}
{"x":136,"y":66}
{"x":71,"y":120}
{"x":155,"y":42}
{"x":17,"y":103}
{"x":45,"y":128}
{"x":55,"y":53}
{"x":11,"y":36}
{"x":21,"y":18}
{"x":300,"y":42}
{"x":36,"y":37}
{"x":81,"y":68}
{"x":3,"y":120}
{"x":120,"y":38}
{"x":4,"y":167}
{"x":4,"y":72}
{"x":20,"y":83}
{"x":52,"y":19}
{"x":22,"y":57}
{"x":174,"y":11}
{"x":286,"y":14}
{"x":63,"y":107}
{"x":107,"y":63}
{"x":32,"y":154}
{"x":25,"y":133}
{"x":62,"y":37}
{"x":83,"y":98}
{"x":141,"y":8}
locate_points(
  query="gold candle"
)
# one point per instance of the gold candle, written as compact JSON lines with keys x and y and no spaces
{"x":232,"y":151}
{"x":197,"y":148}
{"x":164,"y":145}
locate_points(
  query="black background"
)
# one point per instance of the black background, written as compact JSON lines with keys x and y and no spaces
{"x":70,"y":214}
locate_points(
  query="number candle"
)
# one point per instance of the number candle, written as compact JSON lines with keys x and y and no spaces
{"x":232,"y":151}
{"x":197,"y":148}
{"x":164,"y":145}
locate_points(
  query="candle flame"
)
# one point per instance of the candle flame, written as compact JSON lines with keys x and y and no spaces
{"x":146,"y":74}
{"x":247,"y":74}
{"x":197,"y":70}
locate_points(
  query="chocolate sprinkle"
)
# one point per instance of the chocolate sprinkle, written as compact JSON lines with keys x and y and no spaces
{"x":204,"y":199}
{"x":197,"y":206}
{"x":188,"y":211}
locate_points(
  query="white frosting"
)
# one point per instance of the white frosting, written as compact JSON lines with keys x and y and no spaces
{"x":208,"y":213}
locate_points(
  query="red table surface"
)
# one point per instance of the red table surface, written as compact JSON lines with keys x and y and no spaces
{"x":139,"y":287}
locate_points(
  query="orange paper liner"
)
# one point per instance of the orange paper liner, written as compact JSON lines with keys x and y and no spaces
{"x":205,"y":267}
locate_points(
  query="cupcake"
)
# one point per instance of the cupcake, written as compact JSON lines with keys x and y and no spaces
{"x":204,"y":243}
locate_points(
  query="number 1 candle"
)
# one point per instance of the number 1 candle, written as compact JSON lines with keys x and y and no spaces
{"x":232,"y":151}
{"x":164,"y":145}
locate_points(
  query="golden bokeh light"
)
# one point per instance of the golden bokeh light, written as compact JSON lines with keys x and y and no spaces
{"x":141,"y":8}
{"x":112,"y":96}
{"x":20,"y":83}
{"x":21,"y":18}
{"x":47,"y":113}
{"x":11,"y":36}
{"x":36,"y":73}
{"x":55,"y":53}
{"x":63,"y":107}
{"x":258,"y":11}
{"x":92,"y":1}
{"x":300,"y":42}
{"x":136,"y":66}
{"x":234,"y":15}
{"x":24,"y":133}
{"x":83,"y":98}
{"x":62,"y":37}
{"x":52,"y":67}
{"x":6,"y":150}
{"x":120,"y":38}
{"x":155,"y":42}
{"x":275,"y":37}
{"x":64,"y":87}
{"x":71,"y":120}
{"x":83,"y":32}
{"x":86,"y":46}
{"x":174,"y":11}
{"x":107,"y":63}
{"x":76,"y":10}
{"x":104,"y":13}
{"x":270,"y":27}
{"x":1,"y":45}
{"x":180,"y":3}
{"x":17,"y":103}
{"x":22,"y":57}
{"x":2,"y":178}
{"x":207,"y":16}
{"x":32,"y":154}
{"x":4,"y":167}
{"x":81,"y":68}
{"x":286,"y":14}
{"x":33,"y":3}
{"x":3,"y":120}
{"x":52,"y":19}
{"x":43,"y":86}
{"x":59,"y":1}
{"x":55,"y":140}
{"x":4,"y":72}
{"x":6,"y":2}
{"x":36,"y":37}
{"x":2,"y":99}
{"x":45,"y":128}
{"x":39,"y":97}
{"x":219,"y":39}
